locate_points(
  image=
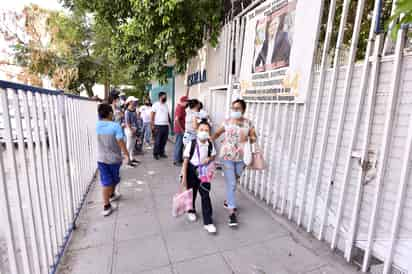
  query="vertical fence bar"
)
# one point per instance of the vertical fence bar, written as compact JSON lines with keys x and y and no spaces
{"x":400,"y":42}
{"x":9,"y":229}
{"x":25,"y":175}
{"x":331,"y":102}
{"x":246,"y":176}
{"x":289,"y":157}
{"x":272,"y":161}
{"x":347,"y":85}
{"x":359,"y":104}
{"x":366,"y":140}
{"x":407,"y":157}
{"x":315,"y":120}
{"x":53,"y":168}
{"x":47,"y":172}
{"x":265,"y":151}
{"x":260,"y":133}
{"x":259,"y":108}
{"x":66,"y":159}
{"x":35,"y":179}
{"x":278,"y":169}
{"x":42,"y":177}
{"x":21,"y":227}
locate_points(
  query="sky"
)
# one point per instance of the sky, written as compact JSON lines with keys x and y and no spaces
{"x":18,"y":5}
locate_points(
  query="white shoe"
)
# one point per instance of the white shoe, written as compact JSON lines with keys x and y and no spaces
{"x":107,"y":212}
{"x":115,"y":197}
{"x":211,"y":228}
{"x":192,"y":217}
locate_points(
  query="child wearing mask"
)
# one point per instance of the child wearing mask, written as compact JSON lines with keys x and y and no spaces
{"x":198,"y":155}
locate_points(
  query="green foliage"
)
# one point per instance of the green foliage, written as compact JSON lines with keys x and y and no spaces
{"x":364,"y":29}
{"x":402,"y":15}
{"x":148,"y":34}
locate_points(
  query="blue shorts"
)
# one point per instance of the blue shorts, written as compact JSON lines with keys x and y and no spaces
{"x":109,"y":174}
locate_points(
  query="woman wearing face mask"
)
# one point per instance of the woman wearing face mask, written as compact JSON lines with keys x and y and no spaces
{"x":197,"y":156}
{"x":237,"y":130}
{"x":191,"y":121}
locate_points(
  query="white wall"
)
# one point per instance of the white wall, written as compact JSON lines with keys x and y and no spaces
{"x":274,"y":122}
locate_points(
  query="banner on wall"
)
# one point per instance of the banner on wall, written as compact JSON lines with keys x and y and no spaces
{"x":273,"y":67}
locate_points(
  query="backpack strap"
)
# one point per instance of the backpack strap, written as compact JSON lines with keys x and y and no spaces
{"x":192,"y":149}
{"x":209,"y":148}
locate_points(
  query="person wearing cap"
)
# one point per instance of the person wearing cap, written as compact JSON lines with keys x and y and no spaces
{"x":179,"y":128}
{"x":131,"y":127}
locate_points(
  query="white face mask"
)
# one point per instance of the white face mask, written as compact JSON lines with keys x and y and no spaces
{"x":235,"y":114}
{"x":203,"y":135}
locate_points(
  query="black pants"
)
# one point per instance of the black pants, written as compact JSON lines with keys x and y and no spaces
{"x":161,"y":136}
{"x":204,"y":189}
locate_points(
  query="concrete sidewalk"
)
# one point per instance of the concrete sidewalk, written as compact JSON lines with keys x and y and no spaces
{"x":143,"y":237}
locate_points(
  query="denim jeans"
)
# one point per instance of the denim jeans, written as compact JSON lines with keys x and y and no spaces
{"x":178,"y":153}
{"x":147,"y":132}
{"x":232,"y":171}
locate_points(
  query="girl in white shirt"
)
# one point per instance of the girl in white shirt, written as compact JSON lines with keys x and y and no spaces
{"x":200,"y":153}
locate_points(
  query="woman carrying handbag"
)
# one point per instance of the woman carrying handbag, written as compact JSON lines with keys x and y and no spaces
{"x":239,"y":137}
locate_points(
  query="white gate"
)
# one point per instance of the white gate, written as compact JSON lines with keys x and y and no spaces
{"x":47,"y":161}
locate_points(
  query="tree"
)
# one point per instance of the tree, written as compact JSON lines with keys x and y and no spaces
{"x":148,"y":34}
{"x":402,"y":15}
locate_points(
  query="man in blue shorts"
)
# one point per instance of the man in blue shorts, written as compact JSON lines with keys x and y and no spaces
{"x":110,"y":144}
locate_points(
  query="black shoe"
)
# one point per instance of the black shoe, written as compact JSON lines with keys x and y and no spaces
{"x":163,"y":156}
{"x":136,"y":162}
{"x":156,"y":157}
{"x":233,"y":220}
{"x":227,"y":207}
{"x":131,"y":164}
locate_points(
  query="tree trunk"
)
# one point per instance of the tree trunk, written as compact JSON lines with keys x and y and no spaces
{"x":106,"y":89}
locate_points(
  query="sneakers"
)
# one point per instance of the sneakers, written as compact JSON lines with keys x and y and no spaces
{"x":156,"y":157}
{"x":135,"y":162}
{"x":108,"y":209}
{"x":211,"y":228}
{"x":115,"y":196}
{"x":191,"y":216}
{"x":227,"y":207}
{"x":233,"y":220}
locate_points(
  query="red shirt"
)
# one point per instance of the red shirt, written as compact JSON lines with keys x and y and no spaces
{"x":180,"y":115}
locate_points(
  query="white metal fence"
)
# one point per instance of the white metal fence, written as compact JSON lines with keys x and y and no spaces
{"x":340,"y":164}
{"x":47,"y":161}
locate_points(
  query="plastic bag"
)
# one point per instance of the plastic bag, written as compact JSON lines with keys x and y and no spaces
{"x":182,"y":202}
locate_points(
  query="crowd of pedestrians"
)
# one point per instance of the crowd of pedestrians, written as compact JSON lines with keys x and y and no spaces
{"x":127,"y":129}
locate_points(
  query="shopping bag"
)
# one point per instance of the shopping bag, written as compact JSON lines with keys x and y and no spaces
{"x":182,"y":202}
{"x":258,"y":163}
{"x":247,"y":153}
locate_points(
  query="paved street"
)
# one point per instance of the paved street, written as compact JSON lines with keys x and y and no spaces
{"x":143,"y":237}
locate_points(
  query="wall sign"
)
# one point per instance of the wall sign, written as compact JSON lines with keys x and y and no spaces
{"x":278,"y":46}
{"x":196,"y":78}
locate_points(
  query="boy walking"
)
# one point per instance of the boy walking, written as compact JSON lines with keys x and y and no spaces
{"x":110,"y":144}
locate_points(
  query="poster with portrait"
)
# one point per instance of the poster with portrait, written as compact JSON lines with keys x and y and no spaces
{"x":277,"y":51}
{"x":273,"y":39}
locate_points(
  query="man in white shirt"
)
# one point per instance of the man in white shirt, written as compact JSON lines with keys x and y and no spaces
{"x":160,"y":126}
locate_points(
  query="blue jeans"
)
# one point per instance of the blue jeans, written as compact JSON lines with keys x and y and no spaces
{"x":147,"y":132}
{"x":178,"y":153}
{"x":232,"y":170}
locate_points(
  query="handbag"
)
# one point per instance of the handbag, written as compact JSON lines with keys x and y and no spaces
{"x":247,"y":153}
{"x":182,"y":202}
{"x":258,"y":163}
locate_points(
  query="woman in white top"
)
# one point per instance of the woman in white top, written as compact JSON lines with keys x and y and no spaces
{"x":145,"y":111}
{"x":191,"y":121}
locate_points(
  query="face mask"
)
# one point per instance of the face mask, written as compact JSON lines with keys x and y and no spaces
{"x":163,"y":100}
{"x":203,"y":135}
{"x":235,"y":114}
